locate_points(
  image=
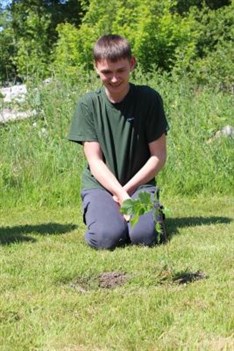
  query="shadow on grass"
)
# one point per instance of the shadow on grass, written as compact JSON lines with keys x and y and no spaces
{"x":20,"y":233}
{"x":174,"y":224}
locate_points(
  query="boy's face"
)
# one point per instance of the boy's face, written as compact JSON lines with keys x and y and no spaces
{"x":115,"y":75}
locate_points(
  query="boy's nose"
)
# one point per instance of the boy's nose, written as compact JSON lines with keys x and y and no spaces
{"x":114,"y":79}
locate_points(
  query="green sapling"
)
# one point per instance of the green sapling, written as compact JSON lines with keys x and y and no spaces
{"x":143,"y":204}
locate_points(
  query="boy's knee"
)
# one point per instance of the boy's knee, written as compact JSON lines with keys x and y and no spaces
{"x":144,"y":232}
{"x":143,"y":238}
{"x":106,"y":239}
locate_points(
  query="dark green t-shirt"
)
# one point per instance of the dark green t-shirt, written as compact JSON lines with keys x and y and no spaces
{"x":123,"y":130}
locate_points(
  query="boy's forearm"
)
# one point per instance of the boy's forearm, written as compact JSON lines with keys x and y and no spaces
{"x":107,"y":179}
{"x":151,"y":168}
{"x":102,"y":173}
{"x":146,"y":173}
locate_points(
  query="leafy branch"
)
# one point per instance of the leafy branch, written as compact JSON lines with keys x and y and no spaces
{"x":143,"y":204}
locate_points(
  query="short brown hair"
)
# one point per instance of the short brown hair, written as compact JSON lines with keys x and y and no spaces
{"x":111,"y":47}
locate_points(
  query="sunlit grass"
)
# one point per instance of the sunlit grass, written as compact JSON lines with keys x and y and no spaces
{"x":51,"y":298}
{"x":176,"y":296}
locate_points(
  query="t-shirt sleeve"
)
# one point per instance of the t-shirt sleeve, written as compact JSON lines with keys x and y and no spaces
{"x":157,"y":124}
{"x":82,"y":126}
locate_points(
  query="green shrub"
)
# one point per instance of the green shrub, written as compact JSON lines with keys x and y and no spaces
{"x":209,"y":59}
{"x":32,"y":56}
{"x":153,"y":28}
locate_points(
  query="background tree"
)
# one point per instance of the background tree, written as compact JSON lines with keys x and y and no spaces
{"x":33,"y":30}
{"x":7,"y":47}
{"x":176,"y":36}
{"x":184,"y":6}
{"x":38,"y":36}
{"x":154,"y":30}
{"x":214,"y":48}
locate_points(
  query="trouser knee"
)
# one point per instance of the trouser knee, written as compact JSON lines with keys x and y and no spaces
{"x":144,"y":232}
{"x":107,"y":239}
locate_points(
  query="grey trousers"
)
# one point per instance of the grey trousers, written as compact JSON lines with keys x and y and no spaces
{"x":106,"y":226}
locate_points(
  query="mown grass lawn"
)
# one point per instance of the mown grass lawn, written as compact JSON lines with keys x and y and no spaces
{"x":177,"y":296}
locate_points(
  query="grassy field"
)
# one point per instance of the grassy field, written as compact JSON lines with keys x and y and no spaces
{"x":57,"y":294}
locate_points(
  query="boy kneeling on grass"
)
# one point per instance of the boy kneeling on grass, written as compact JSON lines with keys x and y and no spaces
{"x":122,"y":128}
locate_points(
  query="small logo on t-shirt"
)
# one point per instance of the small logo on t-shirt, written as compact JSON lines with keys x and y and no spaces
{"x":130,"y":119}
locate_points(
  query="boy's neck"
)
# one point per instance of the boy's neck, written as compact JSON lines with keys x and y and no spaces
{"x":118,"y":97}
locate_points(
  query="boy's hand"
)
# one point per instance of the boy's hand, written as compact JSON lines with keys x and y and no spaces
{"x":115,"y":198}
{"x":126,"y":217}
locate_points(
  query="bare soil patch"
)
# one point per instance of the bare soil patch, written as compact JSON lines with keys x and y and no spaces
{"x":106,"y":280}
{"x":110,"y":280}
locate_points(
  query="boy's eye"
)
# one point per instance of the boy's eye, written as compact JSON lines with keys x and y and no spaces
{"x":105,"y":71}
{"x":108,"y":73}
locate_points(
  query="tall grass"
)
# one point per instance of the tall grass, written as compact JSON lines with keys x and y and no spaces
{"x":197,"y":161}
{"x":39,"y":166}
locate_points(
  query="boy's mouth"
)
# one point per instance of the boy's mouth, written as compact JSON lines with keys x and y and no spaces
{"x":115,"y":85}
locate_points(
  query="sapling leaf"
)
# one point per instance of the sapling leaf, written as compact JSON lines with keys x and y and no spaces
{"x":141,"y":211}
{"x":127,"y":207}
{"x":158,"y":228}
{"x":143,"y":204}
{"x":144,"y":198}
{"x":134,"y":220}
{"x":137,"y":207}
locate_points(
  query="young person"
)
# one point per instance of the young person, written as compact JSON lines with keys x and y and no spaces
{"x":122,"y":128}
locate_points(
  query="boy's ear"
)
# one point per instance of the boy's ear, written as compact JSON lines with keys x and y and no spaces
{"x":132,"y":63}
{"x":95,"y":67}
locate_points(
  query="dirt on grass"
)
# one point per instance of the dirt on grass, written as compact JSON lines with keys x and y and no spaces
{"x":112,"y":280}
{"x":106,"y":280}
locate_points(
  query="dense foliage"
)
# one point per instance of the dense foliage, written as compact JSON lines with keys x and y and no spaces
{"x":43,"y":36}
{"x":32,"y":25}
